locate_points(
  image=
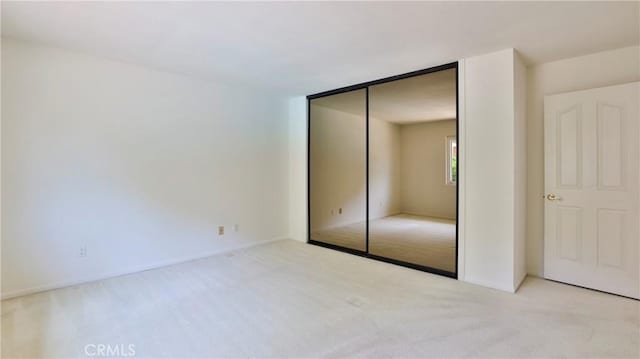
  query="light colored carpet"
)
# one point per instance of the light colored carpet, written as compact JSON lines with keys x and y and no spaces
{"x":415,"y":239}
{"x":290,"y":299}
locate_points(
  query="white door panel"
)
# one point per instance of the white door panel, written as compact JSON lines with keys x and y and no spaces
{"x":592,"y":168}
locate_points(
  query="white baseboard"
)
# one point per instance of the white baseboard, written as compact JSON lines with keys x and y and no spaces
{"x":131,"y":270}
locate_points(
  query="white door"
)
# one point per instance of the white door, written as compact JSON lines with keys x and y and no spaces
{"x":591,"y":188}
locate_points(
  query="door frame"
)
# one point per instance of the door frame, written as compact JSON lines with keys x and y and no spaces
{"x":365,"y":85}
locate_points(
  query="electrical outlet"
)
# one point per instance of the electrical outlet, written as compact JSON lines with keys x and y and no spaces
{"x":221,"y":230}
{"x":83,"y":251}
{"x":236,"y":227}
{"x":340,"y":210}
{"x":332,"y":212}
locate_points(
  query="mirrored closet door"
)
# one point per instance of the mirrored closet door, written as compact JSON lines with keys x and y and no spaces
{"x":383,"y":169}
{"x":337,"y":170}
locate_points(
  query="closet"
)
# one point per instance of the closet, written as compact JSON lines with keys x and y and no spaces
{"x":382,"y":169}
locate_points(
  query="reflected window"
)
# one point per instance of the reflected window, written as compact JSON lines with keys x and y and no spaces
{"x":452,"y":160}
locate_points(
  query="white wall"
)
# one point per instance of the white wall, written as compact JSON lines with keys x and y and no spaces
{"x":139,"y":166}
{"x":579,"y":73}
{"x":490,"y":181}
{"x":424,"y":190}
{"x":297,"y":194}
{"x":520,"y":167}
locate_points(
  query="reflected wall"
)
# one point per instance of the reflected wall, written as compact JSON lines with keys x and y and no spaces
{"x":337,"y":172}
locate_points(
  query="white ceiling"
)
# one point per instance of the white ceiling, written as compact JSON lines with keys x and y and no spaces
{"x":306,"y":47}
{"x":430,"y":97}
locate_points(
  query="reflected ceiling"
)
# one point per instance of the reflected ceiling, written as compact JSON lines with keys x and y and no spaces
{"x":430,"y":97}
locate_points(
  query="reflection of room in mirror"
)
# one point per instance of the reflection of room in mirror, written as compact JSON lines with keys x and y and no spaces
{"x":412,"y":172}
{"x":412,"y":198}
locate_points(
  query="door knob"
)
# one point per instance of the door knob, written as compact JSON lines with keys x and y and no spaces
{"x":552,"y":197}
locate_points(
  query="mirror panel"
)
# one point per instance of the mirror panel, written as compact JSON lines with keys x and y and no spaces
{"x":337,"y":169}
{"x":413,"y":170}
